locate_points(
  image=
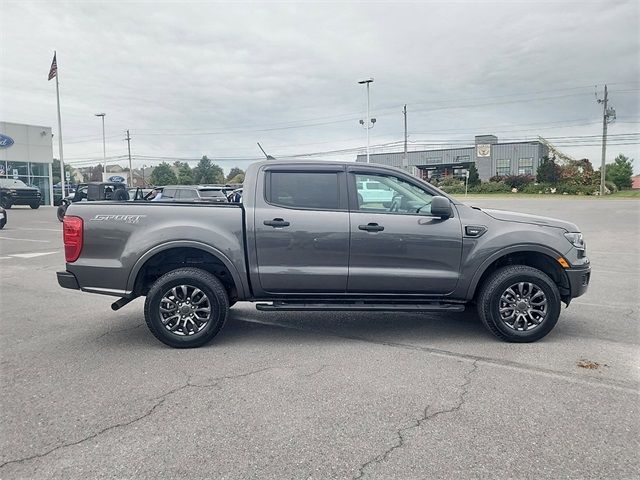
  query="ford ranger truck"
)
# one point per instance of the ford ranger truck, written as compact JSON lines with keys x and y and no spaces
{"x":306,"y":238}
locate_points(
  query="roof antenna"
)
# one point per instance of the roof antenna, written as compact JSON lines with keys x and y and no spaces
{"x":269,"y":157}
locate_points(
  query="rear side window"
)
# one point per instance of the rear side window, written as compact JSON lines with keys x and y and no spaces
{"x":169,"y":193}
{"x":186,"y":193}
{"x":211,"y":193}
{"x":304,"y":190}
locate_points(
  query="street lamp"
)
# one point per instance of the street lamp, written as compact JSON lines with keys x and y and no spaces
{"x":104,"y":147}
{"x":370,"y":121}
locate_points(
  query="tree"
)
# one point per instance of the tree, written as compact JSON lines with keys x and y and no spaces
{"x":163,"y":175}
{"x":578,"y":172}
{"x":55,"y":171}
{"x":620,"y":172}
{"x":185,"y":174}
{"x":207,"y":172}
{"x":234,"y":172}
{"x":474,"y":178}
{"x":548,"y":171}
{"x":239,"y":178}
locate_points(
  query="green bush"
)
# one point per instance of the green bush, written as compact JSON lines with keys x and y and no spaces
{"x":518,"y":181}
{"x":613,"y":188}
{"x":572,"y":189}
{"x":452,"y":189}
{"x":491,"y":187}
{"x":450,"y":182}
{"x":536,"y":188}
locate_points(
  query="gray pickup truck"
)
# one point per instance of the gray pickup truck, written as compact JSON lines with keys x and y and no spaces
{"x":309,"y":236}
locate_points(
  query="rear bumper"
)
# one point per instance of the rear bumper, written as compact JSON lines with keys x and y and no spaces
{"x":578,"y":280}
{"x":68,"y":280}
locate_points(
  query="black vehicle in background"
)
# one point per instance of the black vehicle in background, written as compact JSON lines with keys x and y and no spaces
{"x":16,"y":192}
{"x":3,"y":218}
{"x":94,"y":191}
{"x":193,"y":193}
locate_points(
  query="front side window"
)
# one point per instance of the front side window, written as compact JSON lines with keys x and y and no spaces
{"x":393,"y":195}
{"x":503,"y":167}
{"x":525,"y":166}
{"x":316,"y":190}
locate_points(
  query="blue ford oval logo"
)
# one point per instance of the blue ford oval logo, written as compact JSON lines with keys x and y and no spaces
{"x":5,"y":141}
{"x":116,"y":179}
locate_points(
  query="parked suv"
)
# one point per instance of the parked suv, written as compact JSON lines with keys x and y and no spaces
{"x":193,"y":193}
{"x":16,"y":192}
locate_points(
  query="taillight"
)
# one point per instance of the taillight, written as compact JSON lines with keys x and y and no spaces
{"x":73,"y":228}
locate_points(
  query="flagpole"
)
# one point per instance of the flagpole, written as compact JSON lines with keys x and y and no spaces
{"x":62,"y":172}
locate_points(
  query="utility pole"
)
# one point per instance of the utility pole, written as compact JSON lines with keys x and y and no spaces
{"x":607,"y":113}
{"x":128,"y":139}
{"x":405,"y":160}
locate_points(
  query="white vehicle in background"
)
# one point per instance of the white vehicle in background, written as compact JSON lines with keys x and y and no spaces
{"x":374,"y":192}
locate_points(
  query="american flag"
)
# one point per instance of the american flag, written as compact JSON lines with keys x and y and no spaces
{"x":54,"y":68}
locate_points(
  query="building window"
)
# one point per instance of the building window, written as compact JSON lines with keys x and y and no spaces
{"x":525,"y":166}
{"x":462,"y":158}
{"x":503,"y":167}
{"x":33,"y":174}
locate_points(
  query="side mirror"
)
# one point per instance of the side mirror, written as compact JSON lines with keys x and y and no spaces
{"x":441,"y":207}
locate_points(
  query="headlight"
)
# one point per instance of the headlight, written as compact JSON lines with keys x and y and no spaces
{"x":575,"y":239}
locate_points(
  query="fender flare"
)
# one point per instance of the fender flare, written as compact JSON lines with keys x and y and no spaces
{"x":519,"y":248}
{"x":237,"y":278}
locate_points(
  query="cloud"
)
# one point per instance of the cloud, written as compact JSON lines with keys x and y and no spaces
{"x":248,"y":72}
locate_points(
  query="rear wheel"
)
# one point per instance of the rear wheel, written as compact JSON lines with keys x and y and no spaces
{"x":186,"y":308}
{"x":5,"y":203}
{"x":518,"y":303}
{"x":35,"y":206}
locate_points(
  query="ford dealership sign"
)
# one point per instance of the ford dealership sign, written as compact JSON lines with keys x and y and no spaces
{"x":116,"y":179}
{"x":5,"y":141}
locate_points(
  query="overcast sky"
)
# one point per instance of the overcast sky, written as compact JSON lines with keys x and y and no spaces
{"x":203,"y":78}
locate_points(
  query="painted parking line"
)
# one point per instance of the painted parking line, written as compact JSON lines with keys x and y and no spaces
{"x":31,"y":255}
{"x":24,"y":240}
{"x":57,"y":230}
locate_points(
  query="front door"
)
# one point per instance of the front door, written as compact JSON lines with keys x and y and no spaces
{"x":302,"y":232}
{"x":396,"y":246}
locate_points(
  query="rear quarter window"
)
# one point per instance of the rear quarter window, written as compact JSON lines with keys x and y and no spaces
{"x":313,"y":190}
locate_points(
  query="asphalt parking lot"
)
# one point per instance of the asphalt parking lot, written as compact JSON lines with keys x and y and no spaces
{"x":87,"y":392}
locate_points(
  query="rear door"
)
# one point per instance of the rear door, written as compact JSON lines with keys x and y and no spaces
{"x":396,"y":246}
{"x":302,"y":230}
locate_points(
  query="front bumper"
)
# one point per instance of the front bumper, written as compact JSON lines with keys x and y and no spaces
{"x":578,"y":280}
{"x":68,"y":280}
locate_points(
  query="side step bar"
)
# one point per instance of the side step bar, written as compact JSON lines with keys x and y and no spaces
{"x":361,"y":306}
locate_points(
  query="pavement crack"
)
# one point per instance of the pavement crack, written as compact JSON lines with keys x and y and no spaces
{"x":401,"y":434}
{"x":158,"y":402}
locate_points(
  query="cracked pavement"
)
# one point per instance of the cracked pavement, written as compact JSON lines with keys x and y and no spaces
{"x":89,"y":393}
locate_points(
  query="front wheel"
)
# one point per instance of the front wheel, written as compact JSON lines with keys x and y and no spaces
{"x":186,"y":308}
{"x":35,"y":206}
{"x":518,"y":303}
{"x":6,"y":204}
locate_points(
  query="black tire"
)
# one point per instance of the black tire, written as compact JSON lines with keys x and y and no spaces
{"x":489,"y":300}
{"x":121,"y":196}
{"x":35,"y":206}
{"x":6,"y":204}
{"x":61,"y":212}
{"x":209,"y":285}
{"x":3,"y":222}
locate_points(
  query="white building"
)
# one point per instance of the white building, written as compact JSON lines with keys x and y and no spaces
{"x":26,"y":153}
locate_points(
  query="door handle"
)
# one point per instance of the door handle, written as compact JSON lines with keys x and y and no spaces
{"x":371,"y":227}
{"x":276,"y":223}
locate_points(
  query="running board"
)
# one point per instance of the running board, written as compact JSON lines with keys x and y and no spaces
{"x":361,"y":306}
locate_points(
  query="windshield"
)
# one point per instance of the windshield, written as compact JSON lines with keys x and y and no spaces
{"x":10,"y":182}
{"x":211,"y":193}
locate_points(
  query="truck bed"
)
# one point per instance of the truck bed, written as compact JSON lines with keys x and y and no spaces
{"x":120,"y":236}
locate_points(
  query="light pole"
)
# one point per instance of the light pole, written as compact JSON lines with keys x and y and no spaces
{"x":144,"y":184}
{"x":370,"y":121}
{"x":104,"y":146}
